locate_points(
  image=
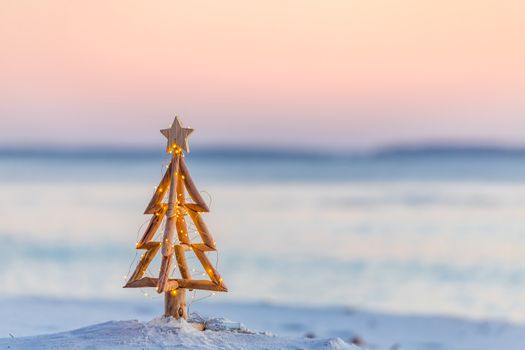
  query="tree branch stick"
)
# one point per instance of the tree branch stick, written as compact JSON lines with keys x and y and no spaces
{"x":190,"y":186}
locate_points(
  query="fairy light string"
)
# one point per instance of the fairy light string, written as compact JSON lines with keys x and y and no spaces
{"x":193,"y":234}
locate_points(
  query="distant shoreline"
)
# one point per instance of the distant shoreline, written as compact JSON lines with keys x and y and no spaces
{"x":394,"y":152}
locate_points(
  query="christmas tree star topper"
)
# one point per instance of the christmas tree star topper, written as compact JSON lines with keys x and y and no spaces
{"x":177,"y":136}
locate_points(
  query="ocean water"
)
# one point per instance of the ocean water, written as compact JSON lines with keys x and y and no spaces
{"x":416,"y":234}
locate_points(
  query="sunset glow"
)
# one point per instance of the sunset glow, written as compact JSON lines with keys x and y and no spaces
{"x":364,"y":73}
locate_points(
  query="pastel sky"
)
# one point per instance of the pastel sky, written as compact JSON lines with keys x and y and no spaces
{"x":347,"y":74}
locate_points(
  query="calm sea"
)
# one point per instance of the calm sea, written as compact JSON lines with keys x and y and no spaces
{"x":423,"y":233}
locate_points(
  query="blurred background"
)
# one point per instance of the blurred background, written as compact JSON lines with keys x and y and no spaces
{"x":361,"y":153}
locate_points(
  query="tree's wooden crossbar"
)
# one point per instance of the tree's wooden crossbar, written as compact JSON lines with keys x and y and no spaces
{"x":176,"y":181}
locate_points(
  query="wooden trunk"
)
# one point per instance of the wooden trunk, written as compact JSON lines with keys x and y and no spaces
{"x":175,"y":304}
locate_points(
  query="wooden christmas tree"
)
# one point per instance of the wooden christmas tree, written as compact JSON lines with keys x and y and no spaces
{"x":176,"y":181}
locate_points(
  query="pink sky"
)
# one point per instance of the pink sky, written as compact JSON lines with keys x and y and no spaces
{"x":336,"y":74}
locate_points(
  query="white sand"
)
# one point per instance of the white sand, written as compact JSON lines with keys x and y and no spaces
{"x":272,"y":327}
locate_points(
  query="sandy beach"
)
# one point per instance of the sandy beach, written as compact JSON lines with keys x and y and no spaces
{"x":102,"y":324}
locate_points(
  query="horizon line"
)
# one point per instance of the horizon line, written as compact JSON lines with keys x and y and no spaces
{"x":238,"y":151}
